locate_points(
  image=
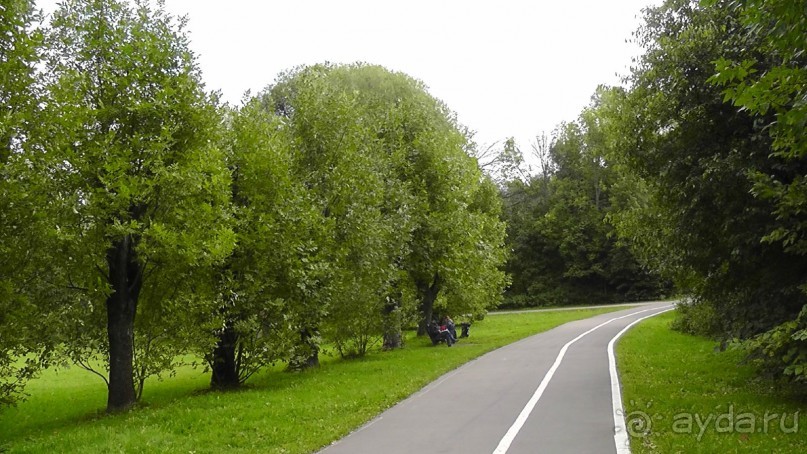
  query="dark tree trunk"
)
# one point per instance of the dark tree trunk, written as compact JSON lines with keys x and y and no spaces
{"x":309,"y":346}
{"x":125,"y":277}
{"x":393,"y":337}
{"x":428,"y":295}
{"x":224,"y":363}
{"x":307,"y":336}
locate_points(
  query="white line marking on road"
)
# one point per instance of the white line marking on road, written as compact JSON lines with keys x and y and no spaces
{"x":504,"y":443}
{"x":621,"y":439}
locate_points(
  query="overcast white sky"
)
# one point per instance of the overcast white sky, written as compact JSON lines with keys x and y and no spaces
{"x":507,"y":67}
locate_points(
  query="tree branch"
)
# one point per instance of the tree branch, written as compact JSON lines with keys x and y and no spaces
{"x":86,"y":367}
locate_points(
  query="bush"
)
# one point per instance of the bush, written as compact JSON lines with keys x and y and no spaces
{"x":517,"y":302}
{"x":782,"y":351}
{"x":697,"y":317}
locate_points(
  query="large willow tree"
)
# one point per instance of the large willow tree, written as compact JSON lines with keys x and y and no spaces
{"x":144,"y":189}
{"x":410,"y":213}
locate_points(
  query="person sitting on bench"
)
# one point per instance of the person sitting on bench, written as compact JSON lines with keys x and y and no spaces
{"x":440,"y":334}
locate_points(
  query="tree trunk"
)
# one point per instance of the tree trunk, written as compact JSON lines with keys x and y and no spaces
{"x":428,"y":295}
{"x":224,"y":364}
{"x":393,"y":337}
{"x":309,"y":347}
{"x":307,"y":337}
{"x":125,"y":277}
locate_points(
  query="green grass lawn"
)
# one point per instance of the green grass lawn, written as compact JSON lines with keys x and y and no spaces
{"x":698,"y":400}
{"x":278,"y":412}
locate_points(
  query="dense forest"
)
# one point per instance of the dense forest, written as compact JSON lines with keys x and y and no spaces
{"x":143,"y":221}
{"x":563,"y":248}
{"x":691,"y":174}
{"x":709,"y":140}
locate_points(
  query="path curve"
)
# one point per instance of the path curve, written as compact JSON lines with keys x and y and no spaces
{"x":548,"y":393}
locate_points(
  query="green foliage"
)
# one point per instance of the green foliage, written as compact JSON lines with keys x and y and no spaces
{"x":143,"y":189}
{"x":142,"y":221}
{"x":17,"y":76}
{"x":475,"y":281}
{"x":564,"y":250}
{"x":457,"y":242}
{"x":25,"y":304}
{"x":773,"y":89}
{"x":714,"y":165}
{"x":333,"y":116}
{"x":782,"y":350}
{"x":387,"y":167}
{"x":690,"y":158}
{"x":697,"y":317}
{"x":276,"y":268}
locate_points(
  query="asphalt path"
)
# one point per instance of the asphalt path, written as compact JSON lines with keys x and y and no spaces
{"x":569,"y":308}
{"x":549,"y":393}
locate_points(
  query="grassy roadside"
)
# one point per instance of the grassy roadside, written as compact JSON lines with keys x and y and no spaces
{"x":681,"y":396}
{"x":278,"y":413}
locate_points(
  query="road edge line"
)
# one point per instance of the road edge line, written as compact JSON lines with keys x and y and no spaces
{"x":621,"y":439}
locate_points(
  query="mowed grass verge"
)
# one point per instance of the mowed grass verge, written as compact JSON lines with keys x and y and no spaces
{"x":278,"y":412}
{"x":682,"y":396}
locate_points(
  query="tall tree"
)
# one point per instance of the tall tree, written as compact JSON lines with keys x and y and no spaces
{"x":335,"y":114}
{"x":134,"y":161}
{"x":425,"y":149}
{"x":446,"y":181}
{"x":276,"y":269}
{"x":389,"y":167}
{"x":694,"y":160}
{"x":773,"y":89}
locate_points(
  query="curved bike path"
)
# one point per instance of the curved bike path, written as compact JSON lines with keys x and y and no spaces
{"x":548,"y":393}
